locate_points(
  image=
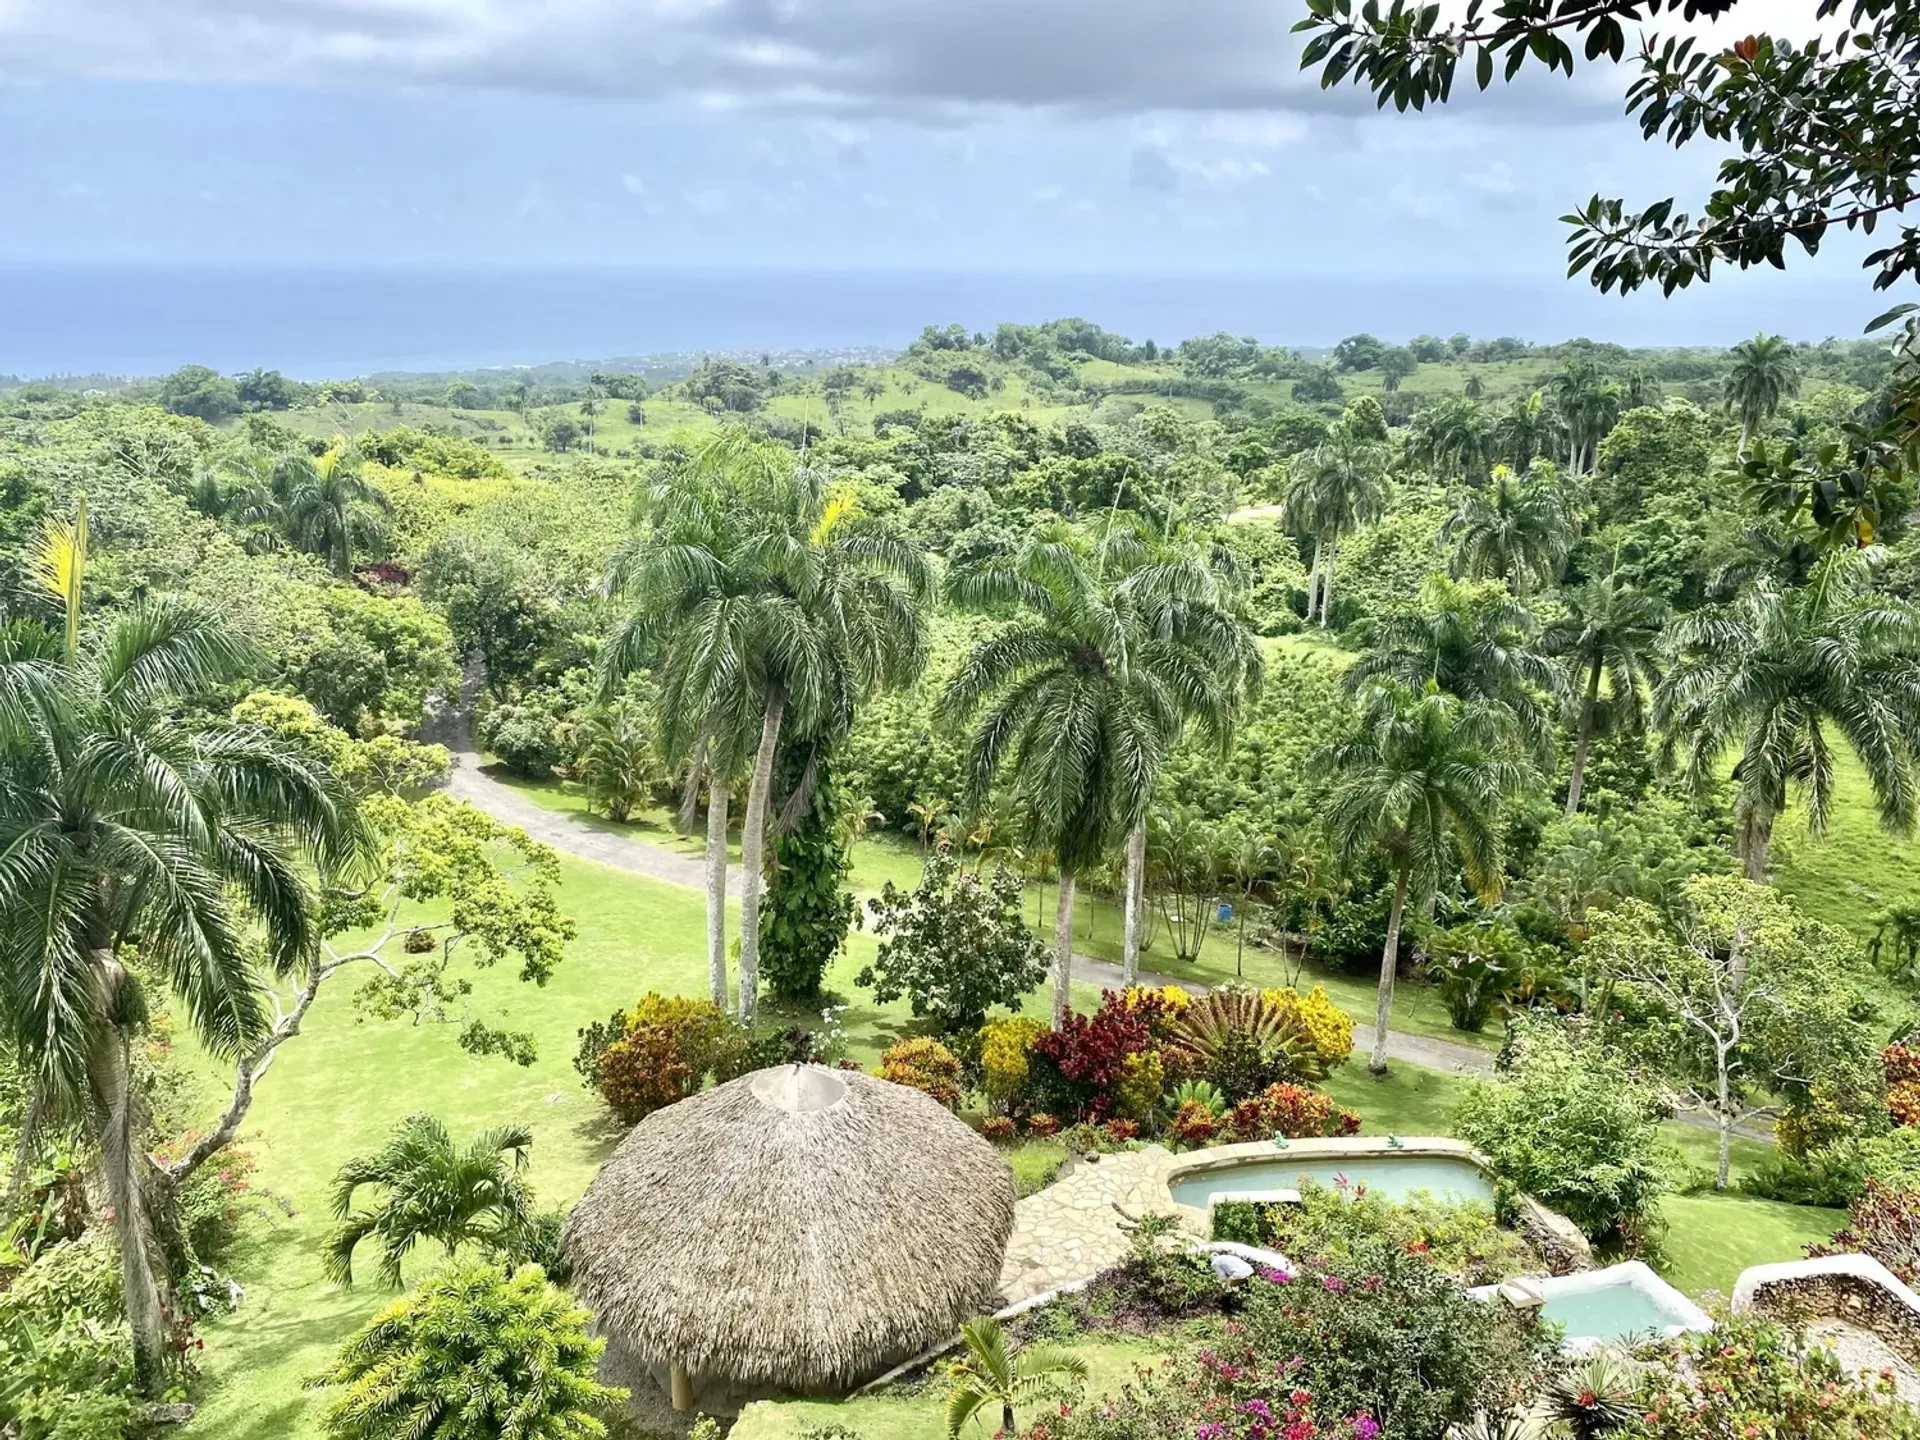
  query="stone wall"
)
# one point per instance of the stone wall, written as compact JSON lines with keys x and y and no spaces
{"x":1853,"y":1289}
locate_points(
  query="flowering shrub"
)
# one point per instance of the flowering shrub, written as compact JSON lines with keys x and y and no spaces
{"x":1143,"y":1080}
{"x":1121,"y":1131}
{"x":1748,"y":1378}
{"x":924,"y":1064}
{"x":1004,"y":1047}
{"x":1161,"y":1007}
{"x":1040,"y":1125}
{"x":1292,"y":1111}
{"x":1902,"y":1065}
{"x":997,"y":1128}
{"x":1209,"y":1397}
{"x":660,"y":1051}
{"x":1884,"y":1223}
{"x":1194,"y":1123}
{"x":1329,"y":1223}
{"x":1089,"y":1052}
{"x":1327,"y":1028}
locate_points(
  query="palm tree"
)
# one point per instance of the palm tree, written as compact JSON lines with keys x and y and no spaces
{"x":1518,"y":530}
{"x":616,"y":762}
{"x":1421,"y":781}
{"x":1773,"y":671}
{"x":1477,"y":647}
{"x":1762,"y":375}
{"x":122,"y":825}
{"x":1610,"y":631}
{"x":431,"y":1189}
{"x":995,"y":1373}
{"x":1528,"y":431}
{"x":1475,"y":387}
{"x":1588,"y":405}
{"x":332,"y":510}
{"x":767,"y":594}
{"x":1086,"y":689}
{"x":1340,"y":483}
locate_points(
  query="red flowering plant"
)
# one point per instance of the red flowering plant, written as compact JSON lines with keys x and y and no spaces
{"x":1208,"y":1396}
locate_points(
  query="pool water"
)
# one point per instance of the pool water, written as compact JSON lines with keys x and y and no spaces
{"x":1611,"y":1312}
{"x":1393,"y":1176}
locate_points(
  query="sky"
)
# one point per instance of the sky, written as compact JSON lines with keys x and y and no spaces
{"x":1152,"y":137}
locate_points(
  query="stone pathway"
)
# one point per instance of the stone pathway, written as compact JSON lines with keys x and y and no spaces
{"x":1071,"y":1230}
{"x":1865,"y":1354}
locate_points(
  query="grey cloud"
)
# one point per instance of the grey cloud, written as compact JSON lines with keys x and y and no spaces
{"x":1152,"y":170}
{"x":933,"y":60}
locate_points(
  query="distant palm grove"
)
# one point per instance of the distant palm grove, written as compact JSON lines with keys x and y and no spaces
{"x":410,"y":783}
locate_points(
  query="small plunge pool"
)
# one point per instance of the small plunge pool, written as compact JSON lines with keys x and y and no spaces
{"x":1395,"y":1176}
{"x":1620,"y":1304}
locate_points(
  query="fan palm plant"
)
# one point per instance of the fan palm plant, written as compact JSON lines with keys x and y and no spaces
{"x":1774,"y":671}
{"x":1421,"y":783}
{"x":1517,"y":530}
{"x":122,"y":825}
{"x":1611,"y":632}
{"x":431,"y":1189}
{"x":1763,"y":374}
{"x":996,"y":1373}
{"x":1081,"y":696}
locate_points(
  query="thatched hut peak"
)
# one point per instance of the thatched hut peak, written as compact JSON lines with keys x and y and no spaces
{"x":799,"y":1229}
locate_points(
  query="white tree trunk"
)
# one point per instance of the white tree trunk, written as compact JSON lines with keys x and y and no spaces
{"x":122,"y":1158}
{"x":717,"y":887}
{"x":1389,"y":966}
{"x":1135,"y":902}
{"x":1063,"y":951}
{"x":753,"y":832}
{"x":1313,"y":579}
{"x":1326,"y":579}
{"x":1724,"y":1117}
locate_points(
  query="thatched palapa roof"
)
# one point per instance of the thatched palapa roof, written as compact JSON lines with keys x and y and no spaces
{"x":798,"y":1228}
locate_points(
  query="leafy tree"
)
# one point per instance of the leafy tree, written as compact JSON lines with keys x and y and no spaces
{"x":1359,"y":352}
{"x":560,"y":433}
{"x":1753,"y":991}
{"x":996,"y":1373}
{"x":264,"y":390}
{"x":473,"y":1354}
{"x":1761,"y":376}
{"x":1610,"y":632}
{"x":1421,"y":780}
{"x":1517,"y":530}
{"x":463,"y":395}
{"x":430,"y":1189}
{"x":1339,"y":484}
{"x":1772,"y":671}
{"x":367,"y":662}
{"x":495,"y":603}
{"x":956,"y":946}
{"x":120,"y":825}
{"x":1320,"y":385}
{"x":202,"y":393}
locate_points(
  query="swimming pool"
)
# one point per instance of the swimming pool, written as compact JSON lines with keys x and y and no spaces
{"x":1446,"y":1171}
{"x":1621,"y":1303}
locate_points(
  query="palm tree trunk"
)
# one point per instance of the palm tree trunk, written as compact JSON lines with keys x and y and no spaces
{"x":1313,"y":579}
{"x":717,"y":887}
{"x":1063,"y":951}
{"x":1584,"y":739}
{"x":1389,"y":966}
{"x":752,"y":839}
{"x":1135,"y":901}
{"x":1756,"y":838}
{"x":1326,"y":580}
{"x":121,"y":1159}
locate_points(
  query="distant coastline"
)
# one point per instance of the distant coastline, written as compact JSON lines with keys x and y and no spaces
{"x":319,"y":322}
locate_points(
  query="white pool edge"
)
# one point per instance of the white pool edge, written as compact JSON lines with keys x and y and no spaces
{"x":1688,"y":1318}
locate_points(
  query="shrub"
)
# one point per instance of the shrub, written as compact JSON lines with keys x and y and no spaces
{"x":956,"y":946}
{"x":1040,"y":1126}
{"x":1387,"y":1333}
{"x":1884,"y":1223}
{"x":1749,"y":1377}
{"x":1121,"y":1131}
{"x":665,"y":1049}
{"x":997,"y":1128}
{"x":473,"y":1354}
{"x":1208,"y":1395}
{"x":1089,"y":1053}
{"x":1143,"y":1080}
{"x":68,"y":1379}
{"x":1193,"y":1123}
{"x":1243,"y":1043}
{"x":1327,"y":1028}
{"x":924,"y":1064}
{"x":1569,"y":1125}
{"x":1004,"y":1047}
{"x":1301,"y":1114}
{"x":1902,"y":1064}
{"x":1333,"y":1224}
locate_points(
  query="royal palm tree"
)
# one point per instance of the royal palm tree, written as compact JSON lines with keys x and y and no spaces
{"x":1762,"y":375}
{"x":1528,"y":431}
{"x":1421,"y":782}
{"x":1339,"y":484}
{"x":1518,"y":530}
{"x":1588,"y":404}
{"x":334,"y":510}
{"x":994,"y":1372}
{"x":1774,"y":671}
{"x":1081,"y":696}
{"x":1477,"y":647}
{"x":431,"y":1189}
{"x":123,"y":825}
{"x":762,"y":596}
{"x":1610,"y":632}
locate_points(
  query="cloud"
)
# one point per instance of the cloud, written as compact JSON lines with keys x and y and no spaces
{"x":931,"y":59}
{"x":633,"y":184}
{"x":1152,"y":170}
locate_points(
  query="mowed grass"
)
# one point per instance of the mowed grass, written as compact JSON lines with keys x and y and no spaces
{"x":1856,"y":869}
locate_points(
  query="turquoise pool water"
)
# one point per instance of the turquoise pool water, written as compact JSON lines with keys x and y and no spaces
{"x":1394,"y":1176}
{"x":1611,"y":1313}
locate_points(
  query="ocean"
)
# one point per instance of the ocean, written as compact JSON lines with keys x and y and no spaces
{"x":315,"y":323}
